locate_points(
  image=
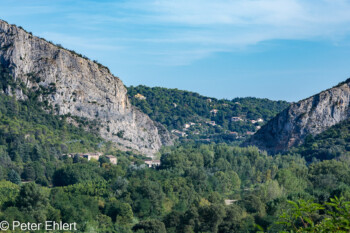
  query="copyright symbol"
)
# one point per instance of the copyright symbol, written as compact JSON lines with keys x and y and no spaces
{"x":4,"y":226}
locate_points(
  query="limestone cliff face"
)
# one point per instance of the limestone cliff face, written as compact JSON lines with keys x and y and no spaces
{"x":81,"y":88}
{"x":307,"y":117}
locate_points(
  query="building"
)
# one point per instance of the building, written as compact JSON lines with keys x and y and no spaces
{"x":90,"y":156}
{"x":258,"y":127}
{"x":152,"y":163}
{"x":253,"y":121}
{"x":234,"y":133}
{"x":236,"y":119}
{"x":214,"y":111}
{"x":229,"y":202}
{"x":112,"y":159}
{"x":179,"y":133}
{"x":260,"y":120}
{"x":139,"y":96}
{"x":211,"y":123}
{"x":249,"y":133}
{"x":187,"y":126}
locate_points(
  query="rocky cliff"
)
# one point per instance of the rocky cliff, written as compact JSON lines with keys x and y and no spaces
{"x":78,"y":87}
{"x":310,"y":116}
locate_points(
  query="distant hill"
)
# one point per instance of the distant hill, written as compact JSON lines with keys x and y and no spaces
{"x":310,"y":116}
{"x":195,"y":116}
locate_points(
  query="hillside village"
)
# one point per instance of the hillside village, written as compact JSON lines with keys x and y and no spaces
{"x":190,"y":116}
{"x":189,"y":128}
{"x":93,"y":155}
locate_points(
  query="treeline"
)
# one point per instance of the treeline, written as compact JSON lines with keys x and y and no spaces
{"x":187,"y":193}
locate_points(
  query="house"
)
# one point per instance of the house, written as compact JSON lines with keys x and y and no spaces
{"x":179,"y":133}
{"x":249,"y":133}
{"x":253,"y":121}
{"x":229,"y":202}
{"x":69,"y":155}
{"x":258,"y":127}
{"x":139,"y":96}
{"x":152,"y":163}
{"x":214,"y":111}
{"x":209,"y":100}
{"x":234,"y":133}
{"x":211,"y":123}
{"x":187,"y":126}
{"x":112,"y":159}
{"x":192,"y":124}
{"x":90,"y":156}
{"x":260,"y":120}
{"x":236,"y":119}
{"x":175,"y":105}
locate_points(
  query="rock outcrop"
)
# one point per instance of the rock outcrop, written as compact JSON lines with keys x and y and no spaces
{"x":310,"y":116}
{"x":79,"y":87}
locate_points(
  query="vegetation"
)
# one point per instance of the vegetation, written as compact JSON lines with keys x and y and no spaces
{"x":187,"y":193}
{"x":175,"y":108}
{"x":213,"y":187}
{"x":332,"y":143}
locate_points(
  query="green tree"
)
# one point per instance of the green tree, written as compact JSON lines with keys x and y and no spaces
{"x":150,"y":226}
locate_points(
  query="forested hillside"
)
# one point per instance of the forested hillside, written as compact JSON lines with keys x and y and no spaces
{"x":197,"y":188}
{"x":332,"y":143}
{"x":194,"y":116}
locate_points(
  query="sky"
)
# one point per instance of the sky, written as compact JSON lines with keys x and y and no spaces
{"x":276,"y":49}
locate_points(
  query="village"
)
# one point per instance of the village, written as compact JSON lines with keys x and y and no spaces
{"x":93,"y":155}
{"x":205,"y":128}
{"x":112,"y":159}
{"x":184,"y":132}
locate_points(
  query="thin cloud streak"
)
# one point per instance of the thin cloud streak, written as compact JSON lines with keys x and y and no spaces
{"x":190,"y":30}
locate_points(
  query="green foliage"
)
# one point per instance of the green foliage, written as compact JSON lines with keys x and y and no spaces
{"x":8,"y":192}
{"x":212,"y":187}
{"x":175,"y":108}
{"x":150,"y":226}
{"x":14,"y":177}
{"x":332,"y":143}
{"x":303,"y":216}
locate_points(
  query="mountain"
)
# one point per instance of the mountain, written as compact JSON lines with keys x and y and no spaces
{"x":77,"y":87}
{"x":193,"y":116}
{"x":310,"y":116}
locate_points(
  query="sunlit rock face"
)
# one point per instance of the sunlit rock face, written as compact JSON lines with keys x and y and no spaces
{"x":79,"y":87}
{"x":310,"y":116}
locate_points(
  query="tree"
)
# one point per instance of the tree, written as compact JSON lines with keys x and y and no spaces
{"x":150,"y":226}
{"x":119,"y":212}
{"x":31,"y":197}
{"x":14,"y":177}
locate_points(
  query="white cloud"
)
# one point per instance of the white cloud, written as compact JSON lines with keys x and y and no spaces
{"x":227,"y":25}
{"x":182,"y":31}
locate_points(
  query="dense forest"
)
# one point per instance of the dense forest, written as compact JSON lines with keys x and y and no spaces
{"x":330,"y":144}
{"x":212,"y":187}
{"x":205,"y":117}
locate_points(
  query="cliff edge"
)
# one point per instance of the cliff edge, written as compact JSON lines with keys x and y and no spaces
{"x":79,"y":87}
{"x":310,"y":116}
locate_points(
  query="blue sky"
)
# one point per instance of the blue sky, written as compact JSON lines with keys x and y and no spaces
{"x":277,"y":49}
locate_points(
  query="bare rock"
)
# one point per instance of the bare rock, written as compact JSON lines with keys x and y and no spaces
{"x":79,"y":87}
